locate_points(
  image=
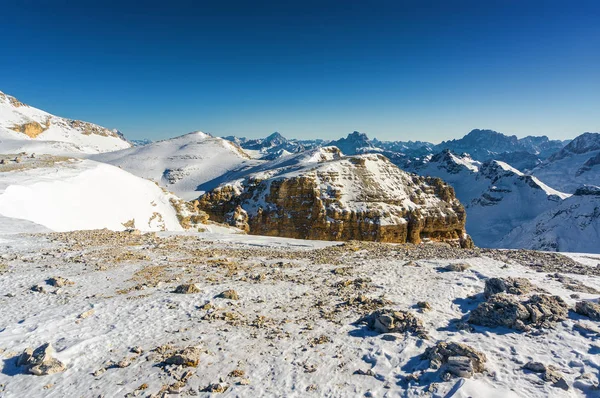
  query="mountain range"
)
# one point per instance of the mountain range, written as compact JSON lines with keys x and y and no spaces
{"x":529,"y":192}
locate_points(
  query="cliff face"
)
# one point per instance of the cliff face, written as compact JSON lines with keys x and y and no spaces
{"x":361,"y":197}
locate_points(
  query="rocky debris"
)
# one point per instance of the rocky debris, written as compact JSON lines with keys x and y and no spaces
{"x":39,"y":362}
{"x":502,"y":309}
{"x":455,"y":359}
{"x":457,"y":267}
{"x":424,"y":306}
{"x":516,"y":286}
{"x":573,"y":284}
{"x":59,"y":281}
{"x":189,"y":356}
{"x":229,"y":295}
{"x":393,"y":321}
{"x":218,"y":388}
{"x":589,"y":309}
{"x":137,"y":350}
{"x":189,"y":288}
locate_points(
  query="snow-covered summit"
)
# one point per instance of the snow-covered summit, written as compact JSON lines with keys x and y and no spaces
{"x":576,"y":164}
{"x":182,"y":164}
{"x":354,"y":143}
{"x":24,"y":128}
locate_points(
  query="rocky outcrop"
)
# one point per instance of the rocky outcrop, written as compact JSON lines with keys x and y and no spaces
{"x":337,"y":198}
{"x":31,"y":129}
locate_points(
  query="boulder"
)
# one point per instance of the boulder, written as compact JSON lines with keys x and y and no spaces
{"x":516,"y":286}
{"x":39,"y":362}
{"x":392,"y":321}
{"x":188,"y":288}
{"x":189,"y":356}
{"x":457,"y":359}
{"x":589,"y":309}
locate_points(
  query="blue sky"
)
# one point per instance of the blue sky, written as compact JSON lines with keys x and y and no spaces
{"x":396,"y":70}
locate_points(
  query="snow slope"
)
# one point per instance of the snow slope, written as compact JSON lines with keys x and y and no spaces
{"x":64,"y":195}
{"x":572,"y":226}
{"x":496,"y":196}
{"x":186,"y":165}
{"x":26,"y":129}
{"x":576,"y":164}
{"x":290,"y":334}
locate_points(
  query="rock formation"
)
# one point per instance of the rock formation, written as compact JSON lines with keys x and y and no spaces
{"x":328,"y":196}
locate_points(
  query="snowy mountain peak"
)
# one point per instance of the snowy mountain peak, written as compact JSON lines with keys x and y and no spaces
{"x":355,"y":143}
{"x":24,"y":128}
{"x":583,"y":143}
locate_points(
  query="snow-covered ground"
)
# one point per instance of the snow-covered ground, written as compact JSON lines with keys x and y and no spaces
{"x":292,"y":331}
{"x":64,"y":194}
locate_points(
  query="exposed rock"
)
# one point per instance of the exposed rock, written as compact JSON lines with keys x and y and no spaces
{"x":456,"y":359}
{"x":189,"y":288}
{"x":424,"y":305}
{"x":552,"y":375}
{"x":392,"y":321}
{"x":459,"y":267}
{"x":536,"y":367}
{"x":59,"y":282}
{"x":229,"y":294}
{"x":31,"y":129}
{"x":516,"y":286}
{"x":339,"y":198}
{"x":86,"y":314}
{"x":505,"y":310}
{"x":189,"y":356}
{"x":216,"y":388}
{"x":589,"y":309}
{"x":38,"y":288}
{"x":39,"y":362}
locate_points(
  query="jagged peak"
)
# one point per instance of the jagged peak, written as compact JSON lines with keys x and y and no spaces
{"x":587,"y":190}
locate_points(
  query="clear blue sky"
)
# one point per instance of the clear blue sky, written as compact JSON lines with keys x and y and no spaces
{"x":427,"y":70}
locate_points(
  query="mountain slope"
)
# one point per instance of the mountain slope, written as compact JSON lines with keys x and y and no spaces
{"x":572,"y":226}
{"x":576,"y":164}
{"x":66,"y":194}
{"x":324,"y":195}
{"x":496,"y":197}
{"x":185,"y":165}
{"x":26,"y":129}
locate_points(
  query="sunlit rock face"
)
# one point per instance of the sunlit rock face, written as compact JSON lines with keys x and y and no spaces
{"x":332,"y":197}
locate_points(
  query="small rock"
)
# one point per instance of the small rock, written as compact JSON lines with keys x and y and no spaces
{"x":38,"y":288}
{"x":187,"y":289}
{"x":458,"y":267}
{"x":137,"y":349}
{"x":229,"y":294}
{"x":123,"y":364}
{"x":189,"y":356}
{"x":216,"y":388}
{"x":391,"y":321}
{"x":589,"y":309}
{"x":552,"y":375}
{"x":86,"y":314}
{"x":424,"y":305}
{"x":440,"y":354}
{"x":59,"y":282}
{"x":536,"y":367}
{"x":39,"y":362}
{"x":516,"y":286}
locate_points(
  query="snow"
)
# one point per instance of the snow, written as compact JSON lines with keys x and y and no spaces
{"x":278,"y":359}
{"x":83,"y":194}
{"x":187,"y":165}
{"x":572,"y":226}
{"x":60,"y":138}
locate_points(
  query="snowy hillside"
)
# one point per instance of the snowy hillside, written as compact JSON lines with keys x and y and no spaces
{"x":572,"y":226}
{"x":64,"y":194}
{"x":576,"y":164}
{"x":26,"y":129}
{"x":185,"y":165}
{"x":497,"y":197}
